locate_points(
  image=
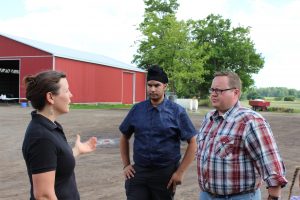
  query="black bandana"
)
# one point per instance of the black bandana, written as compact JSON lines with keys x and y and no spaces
{"x":156,"y":73}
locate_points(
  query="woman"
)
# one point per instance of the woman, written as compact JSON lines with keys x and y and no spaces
{"x":49,"y":159}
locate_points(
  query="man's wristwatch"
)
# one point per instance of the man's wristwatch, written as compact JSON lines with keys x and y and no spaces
{"x":273,"y":197}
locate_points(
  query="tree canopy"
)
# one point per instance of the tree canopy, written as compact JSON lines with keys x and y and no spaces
{"x":229,"y":48}
{"x":192,"y":51}
{"x":272,"y":92}
{"x":166,"y":42}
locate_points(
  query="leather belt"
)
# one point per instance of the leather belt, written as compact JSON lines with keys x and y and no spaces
{"x":229,"y":195}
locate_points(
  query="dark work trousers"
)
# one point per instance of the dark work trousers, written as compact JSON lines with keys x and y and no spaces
{"x":150,"y":183}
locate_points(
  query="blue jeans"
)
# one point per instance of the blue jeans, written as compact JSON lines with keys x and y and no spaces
{"x":250,"y":196}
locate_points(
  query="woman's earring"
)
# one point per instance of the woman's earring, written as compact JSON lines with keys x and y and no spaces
{"x":51,"y":111}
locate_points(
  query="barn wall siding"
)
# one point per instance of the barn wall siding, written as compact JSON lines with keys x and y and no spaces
{"x":10,"y":47}
{"x":140,"y":87}
{"x":31,"y":66}
{"x":88,"y":82}
{"x":127,"y":87}
{"x":91,"y":82}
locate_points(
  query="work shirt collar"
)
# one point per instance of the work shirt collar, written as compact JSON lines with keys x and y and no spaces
{"x":228,"y":115}
{"x":159,"y":107}
{"x":45,"y":121}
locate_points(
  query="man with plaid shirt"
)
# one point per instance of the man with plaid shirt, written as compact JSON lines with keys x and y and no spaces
{"x":236,"y":148}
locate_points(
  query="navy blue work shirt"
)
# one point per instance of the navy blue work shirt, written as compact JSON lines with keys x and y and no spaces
{"x":157,"y":132}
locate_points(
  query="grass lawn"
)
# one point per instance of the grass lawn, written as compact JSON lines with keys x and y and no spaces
{"x":100,"y":106}
{"x":280,"y":105}
{"x":276,"y":106}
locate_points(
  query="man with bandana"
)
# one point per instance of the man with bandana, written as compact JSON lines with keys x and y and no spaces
{"x":159,"y":125}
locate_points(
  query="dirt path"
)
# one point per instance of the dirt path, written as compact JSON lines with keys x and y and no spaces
{"x":99,"y":175}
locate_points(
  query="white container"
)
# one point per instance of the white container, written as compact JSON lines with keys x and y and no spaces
{"x":108,"y":142}
{"x":185,"y":103}
{"x":188,"y":104}
{"x":195,"y":104}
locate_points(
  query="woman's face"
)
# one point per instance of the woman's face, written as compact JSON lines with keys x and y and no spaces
{"x":63,"y":99}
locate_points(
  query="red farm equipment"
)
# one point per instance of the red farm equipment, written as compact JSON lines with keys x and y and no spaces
{"x":259,"y":104}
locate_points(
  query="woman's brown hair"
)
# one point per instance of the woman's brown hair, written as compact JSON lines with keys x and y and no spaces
{"x":39,"y":85}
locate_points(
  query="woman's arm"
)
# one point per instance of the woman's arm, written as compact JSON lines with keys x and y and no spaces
{"x":43,"y":186}
{"x":84,"y":147}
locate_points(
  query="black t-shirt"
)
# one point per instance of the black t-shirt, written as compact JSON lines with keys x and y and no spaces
{"x":45,"y":148}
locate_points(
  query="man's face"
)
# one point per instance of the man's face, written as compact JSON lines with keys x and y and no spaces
{"x":223,"y":97}
{"x":156,"y":90}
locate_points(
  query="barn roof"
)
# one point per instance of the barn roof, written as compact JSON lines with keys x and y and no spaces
{"x":74,"y":54}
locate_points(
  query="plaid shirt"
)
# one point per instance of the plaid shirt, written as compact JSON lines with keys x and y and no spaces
{"x":236,"y":151}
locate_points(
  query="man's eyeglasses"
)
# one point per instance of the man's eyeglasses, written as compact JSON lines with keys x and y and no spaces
{"x":218,"y":91}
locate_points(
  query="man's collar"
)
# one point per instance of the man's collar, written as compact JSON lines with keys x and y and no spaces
{"x":159,"y":107}
{"x":226,"y":116}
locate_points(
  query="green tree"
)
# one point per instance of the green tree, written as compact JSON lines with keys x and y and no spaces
{"x":278,"y":92}
{"x":229,"y":48}
{"x":253,"y":94}
{"x":167,"y":42}
{"x":161,"y":8}
{"x":292,"y":92}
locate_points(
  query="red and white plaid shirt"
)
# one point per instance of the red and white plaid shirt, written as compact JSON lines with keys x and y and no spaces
{"x":236,"y":151}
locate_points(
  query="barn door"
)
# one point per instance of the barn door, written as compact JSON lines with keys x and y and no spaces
{"x":128,"y":88}
{"x":10,"y":78}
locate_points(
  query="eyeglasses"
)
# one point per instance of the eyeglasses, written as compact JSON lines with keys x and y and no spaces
{"x":218,"y":91}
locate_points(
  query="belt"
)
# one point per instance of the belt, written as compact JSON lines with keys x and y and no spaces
{"x":229,"y":195}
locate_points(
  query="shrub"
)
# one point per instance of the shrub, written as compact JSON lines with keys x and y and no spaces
{"x":204,"y":102}
{"x":278,"y":98}
{"x":280,"y":109}
{"x":289,"y":98}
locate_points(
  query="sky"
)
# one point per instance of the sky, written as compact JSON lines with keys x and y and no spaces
{"x":109,"y":28}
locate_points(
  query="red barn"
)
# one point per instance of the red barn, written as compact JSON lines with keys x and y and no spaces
{"x":92,"y":78}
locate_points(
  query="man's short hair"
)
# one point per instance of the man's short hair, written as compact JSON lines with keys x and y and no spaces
{"x":234,"y":80}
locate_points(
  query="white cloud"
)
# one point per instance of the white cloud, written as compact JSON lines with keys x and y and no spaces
{"x":109,"y":28}
{"x":103,"y":27}
{"x":275,"y":28}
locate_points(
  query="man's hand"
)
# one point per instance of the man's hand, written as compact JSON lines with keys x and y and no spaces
{"x":274,"y":192}
{"x":128,"y":171}
{"x":175,"y":180}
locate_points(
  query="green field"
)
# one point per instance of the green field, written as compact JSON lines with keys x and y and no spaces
{"x":280,"y":106}
{"x":276,"y":106}
{"x":100,"y":106}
